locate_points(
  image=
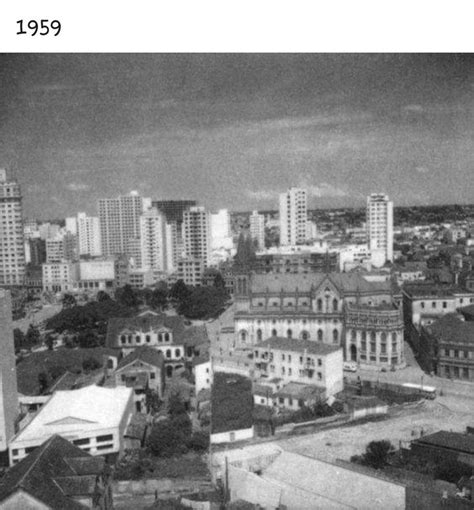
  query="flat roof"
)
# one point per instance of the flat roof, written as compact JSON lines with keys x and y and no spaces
{"x":69,"y":413}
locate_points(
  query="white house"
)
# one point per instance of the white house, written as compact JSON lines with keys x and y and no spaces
{"x":93,"y":418}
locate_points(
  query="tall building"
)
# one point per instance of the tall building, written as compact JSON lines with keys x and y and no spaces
{"x":88,"y":235}
{"x":173,"y":209}
{"x":156,"y":241}
{"x":8,"y":387}
{"x":379,"y":221}
{"x":293,"y":217}
{"x":257,"y":229}
{"x":12,"y":247}
{"x":61,"y":248}
{"x":119,"y":222}
{"x":197,"y":234}
{"x":221,"y":236}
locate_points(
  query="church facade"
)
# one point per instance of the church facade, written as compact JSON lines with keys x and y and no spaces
{"x":363,"y":317}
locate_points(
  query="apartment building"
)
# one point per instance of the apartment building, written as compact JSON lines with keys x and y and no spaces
{"x":379,"y":220}
{"x":293,"y":217}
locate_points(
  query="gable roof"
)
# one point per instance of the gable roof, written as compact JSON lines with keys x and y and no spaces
{"x":348,"y":283}
{"x":143,"y":353}
{"x":52,"y":472}
{"x":287,"y":344}
{"x":450,"y":440}
{"x":144,"y":323}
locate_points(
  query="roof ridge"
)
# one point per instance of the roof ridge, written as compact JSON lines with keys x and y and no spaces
{"x":42,"y":449}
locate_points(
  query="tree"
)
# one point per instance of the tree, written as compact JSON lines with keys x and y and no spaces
{"x":376,"y":453}
{"x":126,"y":296}
{"x":42,"y":381}
{"x":199,"y":441}
{"x":90,"y":363}
{"x":49,"y":342}
{"x":18,"y":340}
{"x":159,"y":298}
{"x":166,"y":439}
{"x":102,"y":296}
{"x":87,"y":339}
{"x":219,"y":282}
{"x":69,"y":301}
{"x":203,"y":302}
{"x":179,"y":291}
{"x":176,"y":406}
{"x":33,"y":336}
{"x":152,"y":401}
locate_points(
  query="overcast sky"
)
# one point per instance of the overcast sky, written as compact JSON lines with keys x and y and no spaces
{"x":235,"y":130}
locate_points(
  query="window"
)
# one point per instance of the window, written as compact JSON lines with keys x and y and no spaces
{"x":320,"y":376}
{"x":320,"y":362}
{"x":148,"y":339}
{"x":320,"y":335}
{"x":30,"y":449}
{"x":177,"y":353}
{"x":422,"y":304}
{"x":152,"y":375}
{"x":168,"y":353}
{"x":283,"y":357}
{"x":104,"y":446}
{"x":433,"y":304}
{"x":289,"y":358}
{"x":320,"y":305}
{"x":301,"y":360}
{"x":334,"y":305}
{"x":335,"y":336}
{"x":304,"y":335}
{"x":353,"y":335}
{"x":232,"y":436}
{"x":372,"y":341}
{"x":289,"y":371}
{"x":383,"y":343}
{"x":137,"y":339}
{"x":167,"y":337}
{"x":123,"y":339}
{"x":107,"y":437}
{"x":274,"y":332}
{"x":289,"y":333}
{"x":259,"y":335}
{"x":283,"y":370}
{"x":79,"y":442}
{"x":445,"y":305}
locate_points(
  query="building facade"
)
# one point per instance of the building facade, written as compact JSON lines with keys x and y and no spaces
{"x":88,"y":235}
{"x":257,"y":229}
{"x":8,"y":384}
{"x":197,"y":234}
{"x":364,"y":318}
{"x":156,"y":238}
{"x":119,"y":222}
{"x":12,"y":248}
{"x":379,"y":222}
{"x":293,"y":217}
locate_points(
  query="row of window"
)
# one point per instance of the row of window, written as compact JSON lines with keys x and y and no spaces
{"x":304,"y":335}
{"x":162,"y":338}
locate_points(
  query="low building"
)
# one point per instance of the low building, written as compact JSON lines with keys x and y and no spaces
{"x":443,"y":445}
{"x":93,"y":418}
{"x":190,"y":270}
{"x":142,"y":369}
{"x":56,"y":476}
{"x":202,"y":369}
{"x":167,"y":334}
{"x":301,"y":361}
{"x":96,"y":275}
{"x":60,"y":276}
{"x":446,"y":347}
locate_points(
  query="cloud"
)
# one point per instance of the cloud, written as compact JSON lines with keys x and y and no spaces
{"x":262,"y":194}
{"x":413,"y":108}
{"x":77,"y":186}
{"x":422,"y":169}
{"x":326,"y":190}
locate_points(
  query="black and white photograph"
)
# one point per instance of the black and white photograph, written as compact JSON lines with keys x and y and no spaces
{"x":236,"y":280}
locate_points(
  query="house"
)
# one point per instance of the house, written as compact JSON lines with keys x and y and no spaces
{"x":232,"y":406}
{"x":93,"y":418}
{"x":301,"y":361}
{"x":443,"y":445}
{"x":167,"y":334}
{"x":57,"y":476}
{"x":202,"y":369}
{"x":142,"y":369}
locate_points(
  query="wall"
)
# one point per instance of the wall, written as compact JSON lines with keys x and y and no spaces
{"x":225,"y":437}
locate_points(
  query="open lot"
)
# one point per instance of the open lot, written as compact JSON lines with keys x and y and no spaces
{"x":405,"y":422}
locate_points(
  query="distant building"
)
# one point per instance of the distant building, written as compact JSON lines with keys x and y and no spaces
{"x":93,"y":418}
{"x":96,"y":274}
{"x":293,"y":217}
{"x":157,"y":242}
{"x":119,"y":222}
{"x":88,"y":235}
{"x":379,"y":221}
{"x":221,"y":235}
{"x":61,"y":248}
{"x":8,"y":383}
{"x":57,"y":475}
{"x":12,"y":248}
{"x":257,"y":229}
{"x":202,"y":368}
{"x":191,"y":271}
{"x":338,"y":309}
{"x":60,"y":276}
{"x":37,"y":251}
{"x":174,"y":209}
{"x":197,"y":234}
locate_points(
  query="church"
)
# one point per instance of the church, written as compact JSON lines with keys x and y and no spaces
{"x":363,"y":317}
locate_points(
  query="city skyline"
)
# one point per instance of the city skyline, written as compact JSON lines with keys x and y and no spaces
{"x":236,"y":130}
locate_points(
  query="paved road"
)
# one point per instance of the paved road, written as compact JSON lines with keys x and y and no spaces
{"x":38,"y":317}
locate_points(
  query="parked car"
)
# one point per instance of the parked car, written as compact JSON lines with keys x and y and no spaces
{"x":349,"y":366}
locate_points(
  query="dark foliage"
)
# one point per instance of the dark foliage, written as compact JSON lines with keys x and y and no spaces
{"x":203,"y":303}
{"x":179,"y":291}
{"x":19,"y":340}
{"x":231,"y":402}
{"x":90,"y":363}
{"x":127,"y":296}
{"x":69,"y":301}
{"x":199,"y":441}
{"x":452,"y":470}
{"x":103,"y":296}
{"x":376,"y":454}
{"x":245,"y":251}
{"x":43,"y":381}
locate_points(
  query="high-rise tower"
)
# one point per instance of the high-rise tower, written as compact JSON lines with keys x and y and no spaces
{"x":379,"y":221}
{"x":293,"y":217}
{"x":12,"y":247}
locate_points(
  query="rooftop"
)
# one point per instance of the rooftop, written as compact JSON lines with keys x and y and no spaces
{"x":52,"y":472}
{"x":69,"y":412}
{"x":299,"y":391}
{"x":451,"y":329}
{"x":287,"y":344}
{"x":450,"y":440}
{"x":143,"y":353}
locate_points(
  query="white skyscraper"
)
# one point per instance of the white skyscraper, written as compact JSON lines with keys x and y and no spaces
{"x":12,"y":247}
{"x":293,"y":217}
{"x":156,"y":238}
{"x":197,"y":234}
{"x":379,"y":221}
{"x":257,"y":229}
{"x":88,"y":235}
{"x":221,"y":236}
{"x":119,"y":222}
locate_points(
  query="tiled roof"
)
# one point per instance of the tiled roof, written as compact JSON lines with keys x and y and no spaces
{"x":451,"y":440}
{"x":350,"y":283}
{"x":145,"y":323}
{"x":451,"y":329}
{"x":143,"y":353}
{"x":295,"y":345}
{"x":299,"y":391}
{"x":49,"y":475}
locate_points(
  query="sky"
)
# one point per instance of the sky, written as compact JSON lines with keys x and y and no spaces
{"x":234,"y":130}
